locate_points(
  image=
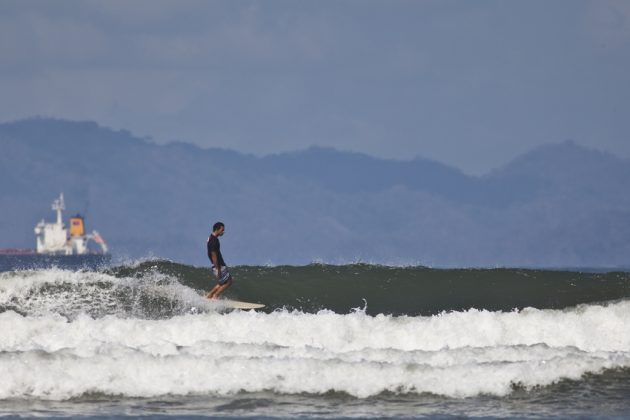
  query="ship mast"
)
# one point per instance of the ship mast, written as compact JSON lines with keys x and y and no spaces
{"x":59,"y":205}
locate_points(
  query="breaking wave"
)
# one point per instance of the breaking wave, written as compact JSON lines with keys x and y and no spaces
{"x":146,"y":330}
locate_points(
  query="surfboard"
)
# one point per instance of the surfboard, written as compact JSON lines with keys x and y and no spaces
{"x":237,"y":304}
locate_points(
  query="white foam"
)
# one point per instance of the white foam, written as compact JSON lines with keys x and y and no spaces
{"x":456,"y":354}
{"x":57,"y":291}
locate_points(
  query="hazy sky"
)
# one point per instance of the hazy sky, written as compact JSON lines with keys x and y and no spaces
{"x":469,"y":83}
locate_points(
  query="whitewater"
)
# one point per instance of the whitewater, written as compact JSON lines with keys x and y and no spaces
{"x":71,"y":334}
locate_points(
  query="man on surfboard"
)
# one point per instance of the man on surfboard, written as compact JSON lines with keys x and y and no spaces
{"x":223,"y":276}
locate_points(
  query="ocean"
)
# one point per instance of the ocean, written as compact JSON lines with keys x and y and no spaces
{"x":334,"y":341}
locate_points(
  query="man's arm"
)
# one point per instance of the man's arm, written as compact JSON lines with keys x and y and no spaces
{"x":215,"y":261}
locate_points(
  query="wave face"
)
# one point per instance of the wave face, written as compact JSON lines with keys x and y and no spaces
{"x":145,"y":330}
{"x":398,"y":291}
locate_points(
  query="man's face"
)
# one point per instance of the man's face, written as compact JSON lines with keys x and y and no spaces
{"x":220,"y":231}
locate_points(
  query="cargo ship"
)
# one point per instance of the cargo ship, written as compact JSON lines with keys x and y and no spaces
{"x":57,"y":245}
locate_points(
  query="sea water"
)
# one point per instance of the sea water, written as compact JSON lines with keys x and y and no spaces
{"x":142,"y":340}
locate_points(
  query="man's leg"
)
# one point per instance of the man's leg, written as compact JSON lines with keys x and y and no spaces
{"x":220,"y":289}
{"x":212,"y":293}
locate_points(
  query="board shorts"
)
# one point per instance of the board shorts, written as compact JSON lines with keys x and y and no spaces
{"x":225,"y":275}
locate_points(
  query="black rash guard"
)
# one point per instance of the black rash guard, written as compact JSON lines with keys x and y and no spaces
{"x":215,"y":246}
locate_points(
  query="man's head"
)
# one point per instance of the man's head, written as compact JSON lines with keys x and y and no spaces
{"x":218,"y":229}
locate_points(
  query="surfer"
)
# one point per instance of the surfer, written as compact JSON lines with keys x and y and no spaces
{"x":219,"y":269}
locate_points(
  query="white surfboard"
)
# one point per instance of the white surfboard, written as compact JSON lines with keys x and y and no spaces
{"x":236,"y":304}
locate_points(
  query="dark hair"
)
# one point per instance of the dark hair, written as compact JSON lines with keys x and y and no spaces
{"x":217,"y":226}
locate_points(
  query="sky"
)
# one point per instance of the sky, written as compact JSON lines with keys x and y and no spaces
{"x":472,"y":84}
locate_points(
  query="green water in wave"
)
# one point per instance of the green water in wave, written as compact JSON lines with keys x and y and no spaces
{"x":400,"y":290}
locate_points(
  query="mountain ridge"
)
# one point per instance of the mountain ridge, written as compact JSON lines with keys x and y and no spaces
{"x":558,"y":205}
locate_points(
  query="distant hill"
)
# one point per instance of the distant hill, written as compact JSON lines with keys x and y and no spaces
{"x":559,"y":205}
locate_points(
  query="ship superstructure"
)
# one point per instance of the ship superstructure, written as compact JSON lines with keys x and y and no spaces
{"x":55,"y":239}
